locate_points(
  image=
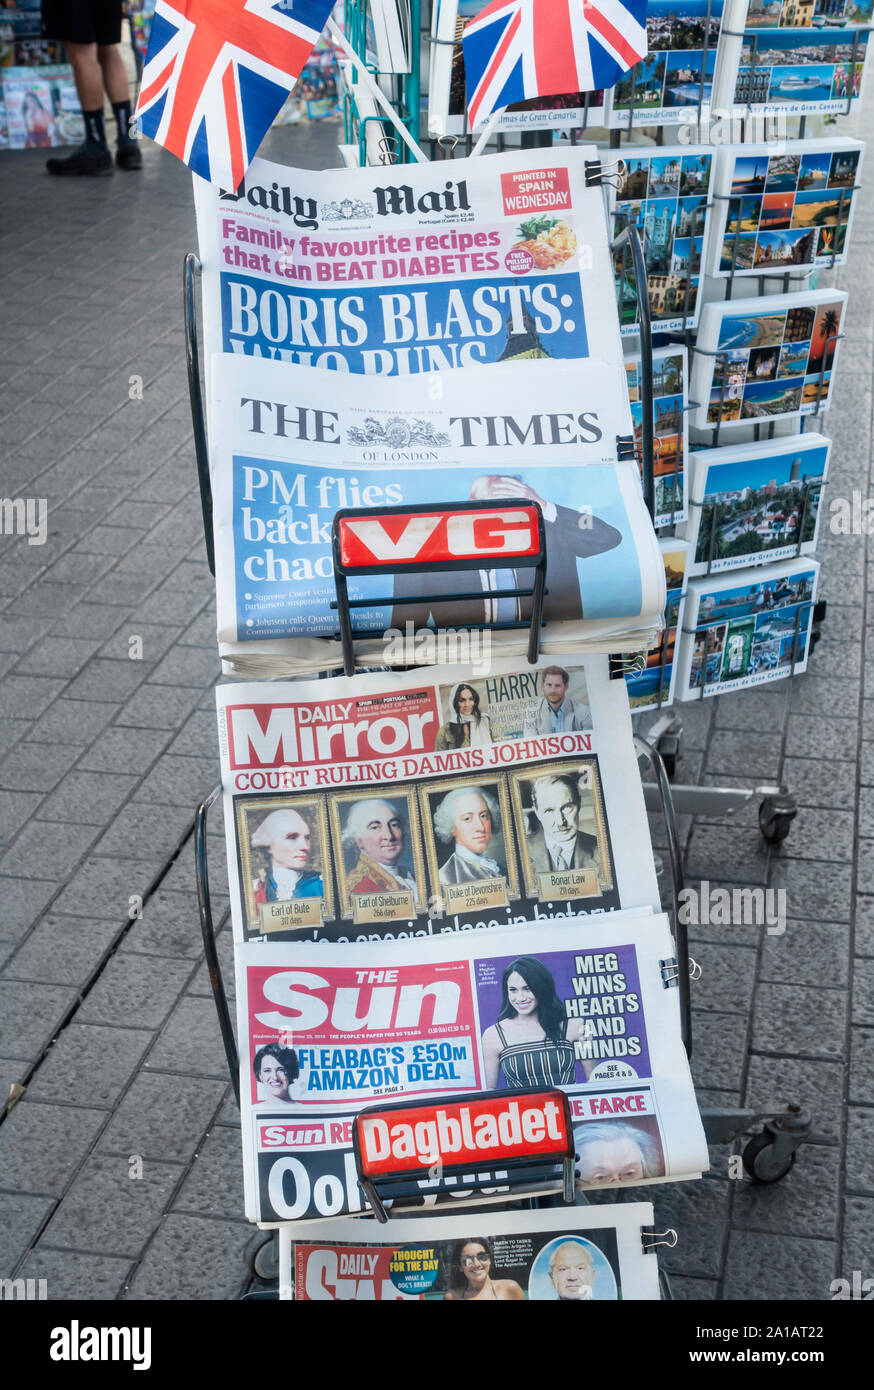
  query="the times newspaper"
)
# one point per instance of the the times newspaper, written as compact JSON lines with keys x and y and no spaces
{"x":290,"y":450}
{"x":590,"y":1005}
{"x":410,"y":268}
{"x":573,"y":1255}
{"x":431,"y":802}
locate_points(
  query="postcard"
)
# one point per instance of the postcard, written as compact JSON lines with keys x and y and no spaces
{"x":801,"y":71}
{"x":663,"y":191}
{"x":737,"y":635}
{"x":775,"y":212}
{"x":677,"y":73}
{"x":766,"y":359}
{"x":653,"y":687}
{"x":754,"y":504}
{"x":670,"y":428}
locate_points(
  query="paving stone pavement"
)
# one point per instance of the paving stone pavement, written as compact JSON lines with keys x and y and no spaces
{"x":120,"y":1166}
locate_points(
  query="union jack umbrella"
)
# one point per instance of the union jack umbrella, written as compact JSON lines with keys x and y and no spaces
{"x":517,"y":49}
{"x":216,"y":74}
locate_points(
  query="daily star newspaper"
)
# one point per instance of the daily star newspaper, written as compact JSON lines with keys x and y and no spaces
{"x":592,"y":1004}
{"x":572,"y":1255}
{"x":410,"y":268}
{"x":431,"y":802}
{"x":290,"y":450}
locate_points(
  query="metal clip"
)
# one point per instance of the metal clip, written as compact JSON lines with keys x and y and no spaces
{"x":655,"y":1238}
{"x":388,"y":149}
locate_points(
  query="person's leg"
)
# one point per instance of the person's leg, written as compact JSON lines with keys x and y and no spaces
{"x":114,"y":76}
{"x":93,"y":155}
{"x":128,"y":154}
{"x":87,"y":74}
{"x":107,"y":24}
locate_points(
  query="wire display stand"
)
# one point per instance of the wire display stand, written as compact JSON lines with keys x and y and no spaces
{"x":768,"y":1154}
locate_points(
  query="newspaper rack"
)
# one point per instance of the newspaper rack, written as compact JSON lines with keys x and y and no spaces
{"x":550,"y":1168}
{"x":769,"y":1154}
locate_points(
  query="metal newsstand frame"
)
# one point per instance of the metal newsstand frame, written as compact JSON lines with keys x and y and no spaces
{"x":770,"y":1153}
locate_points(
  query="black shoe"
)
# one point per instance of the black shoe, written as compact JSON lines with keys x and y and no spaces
{"x":81,"y":161}
{"x":128,"y":155}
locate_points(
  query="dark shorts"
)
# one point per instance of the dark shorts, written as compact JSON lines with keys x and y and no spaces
{"x":82,"y":21}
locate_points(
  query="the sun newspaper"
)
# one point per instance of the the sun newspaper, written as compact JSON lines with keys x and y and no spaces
{"x":590,"y":1005}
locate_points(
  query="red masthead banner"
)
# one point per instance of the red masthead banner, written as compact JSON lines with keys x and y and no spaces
{"x":480,"y":1129}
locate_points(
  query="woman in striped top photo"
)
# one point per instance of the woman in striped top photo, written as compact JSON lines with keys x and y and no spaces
{"x":531,"y":1041}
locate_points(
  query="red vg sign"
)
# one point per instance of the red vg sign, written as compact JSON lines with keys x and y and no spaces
{"x":443,"y":536}
{"x":492,"y":1128}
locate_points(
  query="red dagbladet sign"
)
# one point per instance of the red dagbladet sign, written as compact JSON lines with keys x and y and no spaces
{"x":431,"y":537}
{"x":476,"y":1131}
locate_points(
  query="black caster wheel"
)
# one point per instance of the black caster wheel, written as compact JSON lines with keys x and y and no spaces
{"x":760,"y":1162}
{"x":266,"y":1261}
{"x":774,"y":825}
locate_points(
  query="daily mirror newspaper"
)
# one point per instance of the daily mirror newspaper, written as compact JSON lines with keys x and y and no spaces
{"x":431,"y":802}
{"x":410,"y":268}
{"x":290,"y":450}
{"x":573,"y":1255}
{"x":590,"y":1005}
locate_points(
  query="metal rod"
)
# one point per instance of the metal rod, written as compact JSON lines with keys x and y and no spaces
{"x":630,"y":238}
{"x":207,"y":931}
{"x":190,"y":270}
{"x":677,"y":879}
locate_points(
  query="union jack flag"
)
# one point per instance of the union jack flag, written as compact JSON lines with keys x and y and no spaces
{"x":216,"y":74}
{"x":517,"y":49}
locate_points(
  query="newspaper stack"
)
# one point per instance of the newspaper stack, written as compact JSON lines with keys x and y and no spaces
{"x":289,"y":450}
{"x":599,"y":1254}
{"x":414,"y":1018}
{"x":446,"y":832}
{"x":542,"y":758}
{"x":407,"y":334}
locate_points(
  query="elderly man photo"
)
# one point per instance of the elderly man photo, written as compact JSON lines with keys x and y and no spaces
{"x":469,"y":819}
{"x":556,"y":712}
{"x":376,"y":830}
{"x":572,"y":1271}
{"x":611,"y":1151}
{"x":557,"y":843}
{"x":285,"y":872}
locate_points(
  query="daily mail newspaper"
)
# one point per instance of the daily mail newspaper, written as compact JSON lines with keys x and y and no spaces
{"x":590,"y":1006}
{"x":290,"y":450}
{"x":572,"y":1255}
{"x":410,"y":268}
{"x":431,"y":802}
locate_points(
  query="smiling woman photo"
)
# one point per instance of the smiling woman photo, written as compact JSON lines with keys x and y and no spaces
{"x":472,"y":1266}
{"x":531,"y":1041}
{"x":276,"y":1069}
{"x":469,"y":726}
